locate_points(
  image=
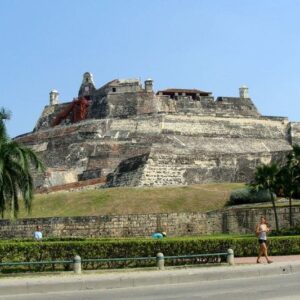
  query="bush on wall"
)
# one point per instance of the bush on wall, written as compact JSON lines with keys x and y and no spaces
{"x":244,"y":196}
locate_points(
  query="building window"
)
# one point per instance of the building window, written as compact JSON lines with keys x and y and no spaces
{"x":114,"y":90}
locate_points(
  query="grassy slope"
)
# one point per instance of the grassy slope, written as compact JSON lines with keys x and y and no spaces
{"x":202,"y":198}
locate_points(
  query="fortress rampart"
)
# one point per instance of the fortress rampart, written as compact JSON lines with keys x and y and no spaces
{"x":128,"y":135}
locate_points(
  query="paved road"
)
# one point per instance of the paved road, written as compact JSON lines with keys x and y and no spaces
{"x":283,"y":287}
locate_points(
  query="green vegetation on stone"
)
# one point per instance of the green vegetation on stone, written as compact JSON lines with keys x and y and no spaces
{"x":265,"y":178}
{"x":283,"y":179}
{"x":288,"y":179}
{"x":247,"y":195}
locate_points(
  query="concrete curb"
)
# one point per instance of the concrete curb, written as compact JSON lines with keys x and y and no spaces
{"x":70,"y":282}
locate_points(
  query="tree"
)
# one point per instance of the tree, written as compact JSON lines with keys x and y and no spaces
{"x":289,"y":178}
{"x":16,"y":162}
{"x":265,"y":178}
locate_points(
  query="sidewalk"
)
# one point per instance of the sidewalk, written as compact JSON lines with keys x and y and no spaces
{"x":252,"y":260}
{"x":244,"y":268}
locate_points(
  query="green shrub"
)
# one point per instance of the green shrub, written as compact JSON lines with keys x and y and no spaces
{"x":66,"y":250}
{"x":286,"y":232}
{"x":247,"y":195}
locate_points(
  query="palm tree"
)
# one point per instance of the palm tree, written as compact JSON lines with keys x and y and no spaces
{"x":289,"y":178}
{"x":16,"y":180}
{"x":265,"y":178}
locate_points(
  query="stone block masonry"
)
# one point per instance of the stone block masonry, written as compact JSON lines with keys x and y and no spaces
{"x":235,"y":220}
{"x":106,"y":226}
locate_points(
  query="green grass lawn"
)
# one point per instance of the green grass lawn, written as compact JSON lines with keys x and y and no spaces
{"x":200,"y":198}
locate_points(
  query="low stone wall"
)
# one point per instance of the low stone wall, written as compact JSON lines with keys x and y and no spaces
{"x":238,"y":220}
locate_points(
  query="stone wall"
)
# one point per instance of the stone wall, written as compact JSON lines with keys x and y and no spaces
{"x":186,"y":168}
{"x":48,"y":115}
{"x":237,"y":220}
{"x":101,"y":226}
{"x":244,"y":220}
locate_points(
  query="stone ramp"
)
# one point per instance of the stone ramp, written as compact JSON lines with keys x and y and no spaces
{"x":74,"y":186}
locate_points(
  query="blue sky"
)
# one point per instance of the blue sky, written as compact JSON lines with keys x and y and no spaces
{"x":214,"y":45}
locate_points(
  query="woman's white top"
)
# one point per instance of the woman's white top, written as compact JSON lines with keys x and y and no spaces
{"x":262,"y":232}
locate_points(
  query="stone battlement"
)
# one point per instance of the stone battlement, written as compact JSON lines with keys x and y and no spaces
{"x":123,"y":98}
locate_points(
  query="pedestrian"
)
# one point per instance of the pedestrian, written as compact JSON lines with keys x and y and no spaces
{"x":261,"y":232}
{"x":38,"y":235}
{"x":158,"y":235}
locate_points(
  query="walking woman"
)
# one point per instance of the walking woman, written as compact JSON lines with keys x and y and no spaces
{"x":261,"y":232}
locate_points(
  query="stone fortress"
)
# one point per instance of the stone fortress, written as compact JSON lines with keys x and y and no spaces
{"x":126,"y":134}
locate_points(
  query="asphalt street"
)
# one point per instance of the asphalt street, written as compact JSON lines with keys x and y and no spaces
{"x":283,"y":287}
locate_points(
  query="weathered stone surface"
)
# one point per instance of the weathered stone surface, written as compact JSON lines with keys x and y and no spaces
{"x":238,"y":221}
{"x":294,"y":133}
{"x":133,"y":136}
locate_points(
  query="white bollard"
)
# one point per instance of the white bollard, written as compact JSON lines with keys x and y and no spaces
{"x":230,"y":257}
{"x":160,"y":261}
{"x":77,"y":264}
